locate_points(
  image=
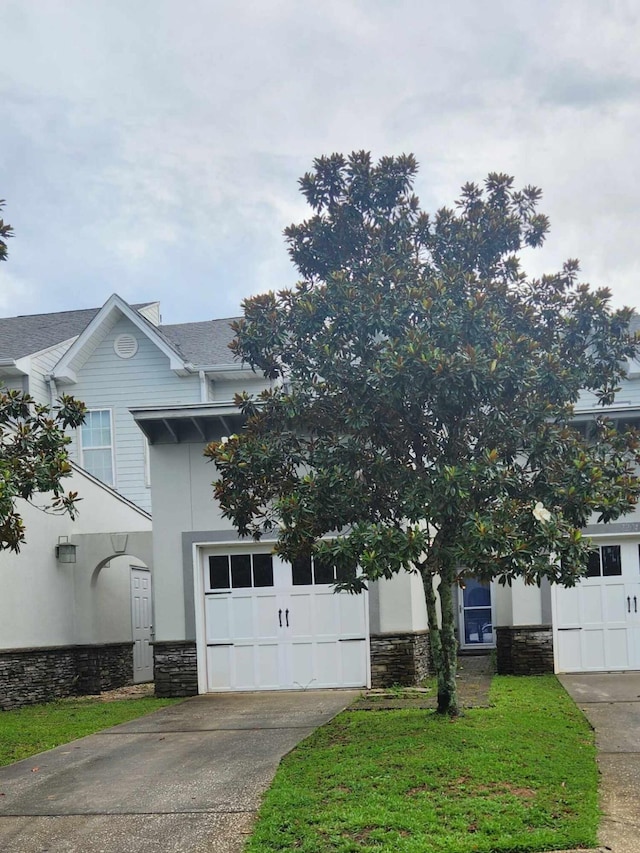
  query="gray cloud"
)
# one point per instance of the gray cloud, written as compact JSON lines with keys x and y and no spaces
{"x":153,"y":148}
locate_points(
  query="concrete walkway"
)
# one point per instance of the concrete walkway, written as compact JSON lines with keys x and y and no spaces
{"x":185,"y":779}
{"x":611,"y":702}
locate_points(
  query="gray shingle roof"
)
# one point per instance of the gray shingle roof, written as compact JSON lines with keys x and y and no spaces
{"x":203,"y":343}
{"x":21,"y":336}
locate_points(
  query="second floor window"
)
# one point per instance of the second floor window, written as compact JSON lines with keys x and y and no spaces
{"x":97,"y":445}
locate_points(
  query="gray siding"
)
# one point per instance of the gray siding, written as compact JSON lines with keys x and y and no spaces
{"x":108,"y":382}
{"x":41,"y":365}
{"x":628,"y":395}
{"x":223,"y":390}
{"x":14,"y":383}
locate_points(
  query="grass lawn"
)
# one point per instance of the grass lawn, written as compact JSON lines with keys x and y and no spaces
{"x":518,"y":776}
{"x":25,"y":731}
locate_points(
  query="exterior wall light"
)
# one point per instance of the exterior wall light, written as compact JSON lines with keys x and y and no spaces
{"x":65,"y":550}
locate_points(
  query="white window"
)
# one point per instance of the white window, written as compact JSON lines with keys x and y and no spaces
{"x":97,"y":446}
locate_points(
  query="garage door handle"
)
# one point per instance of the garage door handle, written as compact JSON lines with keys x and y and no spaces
{"x":280,"y":617}
{"x":635,"y":604}
{"x":628,"y":604}
{"x":286,"y":616}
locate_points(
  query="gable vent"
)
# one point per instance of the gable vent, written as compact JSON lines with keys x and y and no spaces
{"x":126,"y":346}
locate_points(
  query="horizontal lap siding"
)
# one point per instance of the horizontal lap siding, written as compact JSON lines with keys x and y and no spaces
{"x":107,"y":381}
{"x":629,"y":394}
{"x":224,"y":390}
{"x":41,"y":366}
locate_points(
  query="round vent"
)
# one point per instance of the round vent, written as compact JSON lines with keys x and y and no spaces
{"x":126,"y":346}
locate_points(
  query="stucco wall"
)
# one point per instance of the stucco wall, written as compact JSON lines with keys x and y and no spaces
{"x":47,"y":603}
{"x":182,"y":501}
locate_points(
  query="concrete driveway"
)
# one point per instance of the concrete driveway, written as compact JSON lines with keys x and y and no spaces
{"x":611,"y":703}
{"x":185,"y":779}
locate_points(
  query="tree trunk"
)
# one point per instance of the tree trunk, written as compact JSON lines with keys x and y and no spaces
{"x":443,"y":640}
{"x":447,"y":689}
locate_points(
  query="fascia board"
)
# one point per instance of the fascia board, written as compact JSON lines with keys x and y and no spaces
{"x":17,"y":365}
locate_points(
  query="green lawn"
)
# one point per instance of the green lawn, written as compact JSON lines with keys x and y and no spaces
{"x":25,"y":731}
{"x":518,"y":776}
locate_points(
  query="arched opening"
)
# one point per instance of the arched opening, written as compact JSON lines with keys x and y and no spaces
{"x":114,"y":605}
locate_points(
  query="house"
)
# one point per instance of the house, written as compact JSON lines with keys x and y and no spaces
{"x":113,"y":358}
{"x":249,"y":621}
{"x":227,"y":613}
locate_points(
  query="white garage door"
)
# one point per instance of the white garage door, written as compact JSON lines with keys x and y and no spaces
{"x":270,"y":625}
{"x":597,"y":622}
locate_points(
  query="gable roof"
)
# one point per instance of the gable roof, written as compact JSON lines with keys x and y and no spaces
{"x":27,"y":334}
{"x":85,"y":344}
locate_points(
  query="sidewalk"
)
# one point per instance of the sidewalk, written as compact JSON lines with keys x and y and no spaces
{"x":611,"y":703}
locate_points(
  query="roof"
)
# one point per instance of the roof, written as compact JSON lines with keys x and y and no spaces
{"x":204,"y":343}
{"x":23,"y":335}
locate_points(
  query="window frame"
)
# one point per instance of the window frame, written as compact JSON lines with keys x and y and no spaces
{"x":110,"y":447}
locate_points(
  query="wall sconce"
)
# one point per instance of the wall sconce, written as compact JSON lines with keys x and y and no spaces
{"x":65,"y":550}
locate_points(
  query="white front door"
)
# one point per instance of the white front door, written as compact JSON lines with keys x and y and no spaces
{"x":270,"y":625}
{"x":596,"y":624}
{"x":141,"y":625}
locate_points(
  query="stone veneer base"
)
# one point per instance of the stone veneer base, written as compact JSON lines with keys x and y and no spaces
{"x":175,"y":667}
{"x":402,"y":659}
{"x":524,"y":650}
{"x":29,"y":676}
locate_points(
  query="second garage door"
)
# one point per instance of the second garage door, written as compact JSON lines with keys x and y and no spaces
{"x":270,"y":625}
{"x":597,"y":622}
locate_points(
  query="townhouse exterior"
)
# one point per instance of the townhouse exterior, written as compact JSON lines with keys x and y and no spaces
{"x":220,"y":613}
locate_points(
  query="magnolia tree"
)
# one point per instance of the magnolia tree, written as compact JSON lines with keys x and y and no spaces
{"x":420,"y":410}
{"x":33,"y":455}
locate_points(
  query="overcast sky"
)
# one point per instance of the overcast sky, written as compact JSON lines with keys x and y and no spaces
{"x":152,"y":147}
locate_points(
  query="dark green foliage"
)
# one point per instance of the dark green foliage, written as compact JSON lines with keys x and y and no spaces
{"x":6,"y":231}
{"x":423,"y":393}
{"x":33,"y":459}
{"x":33,"y":455}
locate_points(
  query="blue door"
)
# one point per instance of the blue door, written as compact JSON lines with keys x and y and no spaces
{"x":476,"y":618}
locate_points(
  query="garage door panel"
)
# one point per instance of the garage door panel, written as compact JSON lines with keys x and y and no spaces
{"x":327,"y":664}
{"x":617,"y":649}
{"x":301,"y":617}
{"x":302,"y":664}
{"x":218,"y":626}
{"x":268,"y":666}
{"x":219,"y":667}
{"x":569,"y":650}
{"x":615,"y":603}
{"x":326,"y":617}
{"x":351,"y":614}
{"x":244,"y":668}
{"x":591,"y":612}
{"x":593,"y":648}
{"x":568,"y":606}
{"x":353,"y":662}
{"x":266,"y":616}
{"x":242,"y":621}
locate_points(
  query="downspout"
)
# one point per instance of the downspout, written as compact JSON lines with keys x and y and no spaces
{"x":204,"y":397}
{"x":53,"y":391}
